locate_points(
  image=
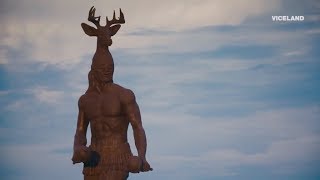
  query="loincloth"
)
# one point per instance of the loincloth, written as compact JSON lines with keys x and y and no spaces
{"x":112,"y":158}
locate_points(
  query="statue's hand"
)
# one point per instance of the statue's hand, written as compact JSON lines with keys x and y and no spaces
{"x":145,"y":166}
{"x":137,"y":164}
{"x":81,"y":154}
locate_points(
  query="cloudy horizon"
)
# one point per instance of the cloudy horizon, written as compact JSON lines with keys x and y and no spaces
{"x":224,"y":91}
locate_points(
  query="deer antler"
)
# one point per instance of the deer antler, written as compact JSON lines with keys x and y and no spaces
{"x":92,"y":18}
{"x":114,"y":20}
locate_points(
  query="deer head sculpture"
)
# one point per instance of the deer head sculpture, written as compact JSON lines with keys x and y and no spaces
{"x":103,"y":33}
{"x":102,"y":66}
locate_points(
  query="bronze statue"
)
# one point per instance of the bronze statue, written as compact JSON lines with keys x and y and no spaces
{"x":109,"y":108}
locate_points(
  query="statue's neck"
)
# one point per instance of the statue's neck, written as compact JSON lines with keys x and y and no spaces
{"x":103,"y":52}
{"x":101,"y":86}
{"x":103,"y":49}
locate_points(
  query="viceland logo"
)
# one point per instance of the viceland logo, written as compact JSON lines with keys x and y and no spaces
{"x":287,"y":18}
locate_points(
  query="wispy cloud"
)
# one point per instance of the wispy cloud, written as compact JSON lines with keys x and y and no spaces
{"x":222,"y":162}
{"x":3,"y":56}
{"x":3,"y":93}
{"x":62,"y":42}
{"x":46,"y":95}
{"x":275,"y":140}
{"x":222,"y":89}
{"x":225,"y":149}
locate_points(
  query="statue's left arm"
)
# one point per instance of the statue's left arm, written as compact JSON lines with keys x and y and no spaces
{"x":81,"y":153}
{"x":133,"y":113}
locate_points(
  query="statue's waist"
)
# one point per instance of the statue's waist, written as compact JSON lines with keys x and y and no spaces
{"x":106,"y":116}
{"x":115,"y":147}
{"x":112,"y":158}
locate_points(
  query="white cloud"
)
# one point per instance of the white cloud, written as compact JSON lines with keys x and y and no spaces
{"x":187,"y":14}
{"x":3,"y":93}
{"x":313,"y":17}
{"x":313,"y":31}
{"x":278,"y":156}
{"x":295,"y":53}
{"x":143,"y":13}
{"x":210,"y":145}
{"x":3,"y":56}
{"x":289,"y":136}
{"x":40,"y":161}
{"x":53,"y":35}
{"x":177,"y":136}
{"x":46,"y":95}
{"x":16,"y":105}
{"x":254,"y":132}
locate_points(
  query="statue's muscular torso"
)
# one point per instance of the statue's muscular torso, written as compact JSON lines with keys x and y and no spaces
{"x":106,"y":114}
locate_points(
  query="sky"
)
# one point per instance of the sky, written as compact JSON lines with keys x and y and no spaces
{"x":225,"y":92}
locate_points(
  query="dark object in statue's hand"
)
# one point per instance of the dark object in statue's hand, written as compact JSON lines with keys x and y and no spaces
{"x":94,"y":160}
{"x":81,"y":154}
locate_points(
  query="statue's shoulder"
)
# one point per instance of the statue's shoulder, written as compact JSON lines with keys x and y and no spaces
{"x":125,"y":93}
{"x":121,"y":89}
{"x":89,"y":94}
{"x":83,"y":98}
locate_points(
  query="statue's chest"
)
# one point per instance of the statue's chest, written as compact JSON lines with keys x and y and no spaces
{"x":103,"y":105}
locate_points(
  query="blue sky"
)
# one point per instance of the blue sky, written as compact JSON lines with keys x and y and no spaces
{"x":225,"y":92}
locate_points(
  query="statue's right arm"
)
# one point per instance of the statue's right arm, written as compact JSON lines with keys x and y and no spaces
{"x":81,"y":153}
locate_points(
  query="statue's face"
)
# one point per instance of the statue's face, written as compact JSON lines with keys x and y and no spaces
{"x":104,"y":73}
